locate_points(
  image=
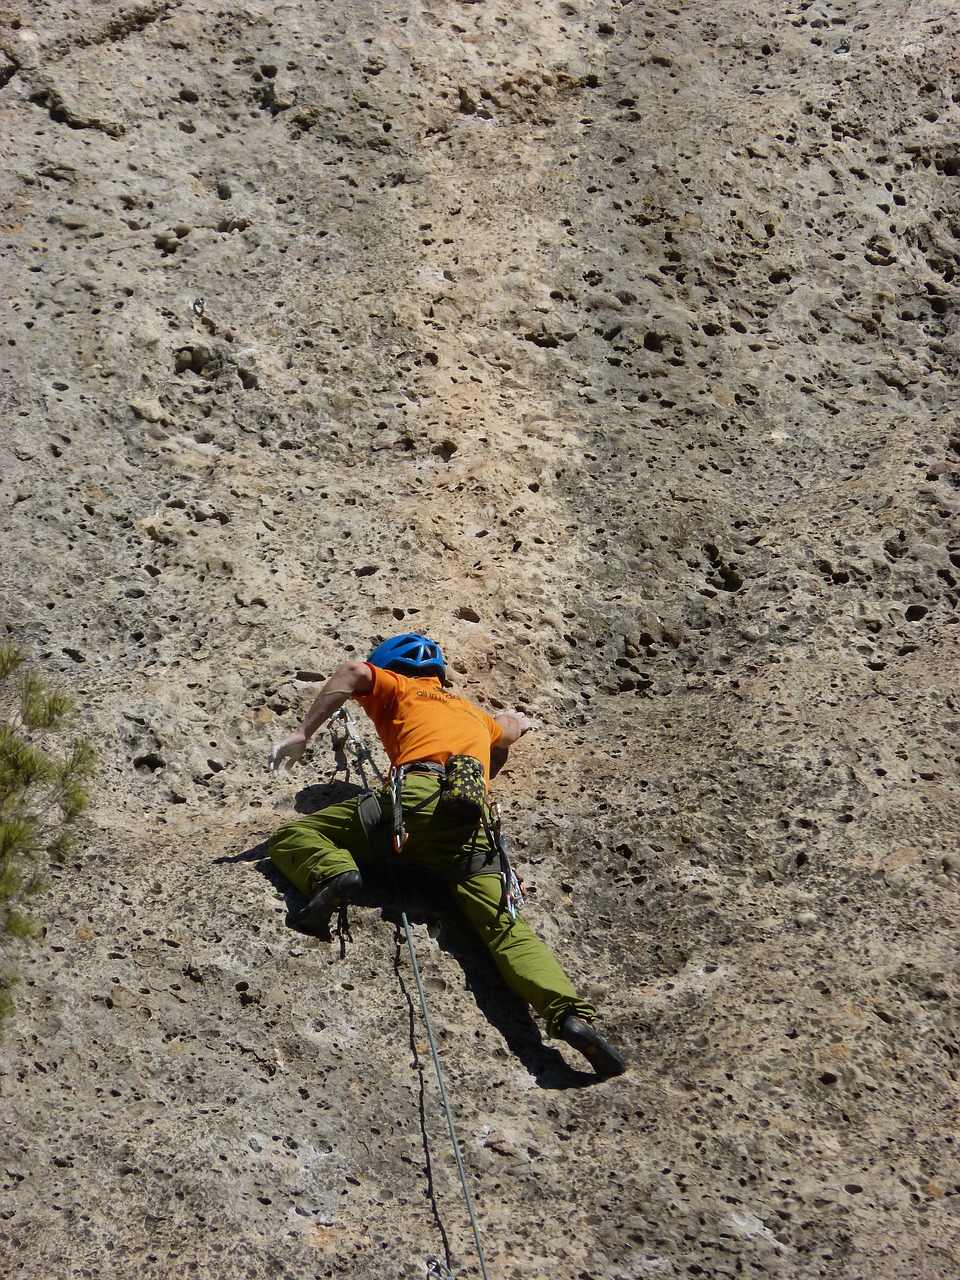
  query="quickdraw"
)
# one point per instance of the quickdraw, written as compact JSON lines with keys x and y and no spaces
{"x":437,"y":1268}
{"x":396,"y":794}
{"x":346,"y":736}
{"x":512,"y":884}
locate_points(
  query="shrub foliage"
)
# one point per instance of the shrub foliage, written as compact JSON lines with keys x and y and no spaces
{"x":43,"y":778}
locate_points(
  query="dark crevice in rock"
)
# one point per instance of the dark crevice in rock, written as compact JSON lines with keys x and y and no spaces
{"x":136,"y":19}
{"x":117,"y":29}
{"x":61,"y":113}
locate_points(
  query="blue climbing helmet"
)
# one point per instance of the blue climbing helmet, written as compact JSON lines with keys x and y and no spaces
{"x":410,"y":655}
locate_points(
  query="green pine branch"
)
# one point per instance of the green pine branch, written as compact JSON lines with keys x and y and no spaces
{"x":43,"y":794}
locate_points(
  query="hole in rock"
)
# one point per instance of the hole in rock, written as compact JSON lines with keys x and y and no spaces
{"x":149,"y":763}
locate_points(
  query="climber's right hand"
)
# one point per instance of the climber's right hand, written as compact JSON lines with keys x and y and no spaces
{"x":524,"y":723}
{"x":289,"y":751}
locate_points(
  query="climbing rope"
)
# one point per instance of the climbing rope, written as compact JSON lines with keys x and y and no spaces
{"x":443,"y":1093}
{"x":346,"y":737}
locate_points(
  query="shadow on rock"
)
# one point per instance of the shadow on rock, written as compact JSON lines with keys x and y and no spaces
{"x":504,"y":1010}
{"x":256,"y":853}
{"x":321,"y":794}
{"x":424,"y":903}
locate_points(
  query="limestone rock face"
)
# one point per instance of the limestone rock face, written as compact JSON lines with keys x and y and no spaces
{"x":616,"y":347}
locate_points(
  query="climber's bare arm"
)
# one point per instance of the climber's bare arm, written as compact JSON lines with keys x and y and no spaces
{"x":349,"y":679}
{"x":513,"y":725}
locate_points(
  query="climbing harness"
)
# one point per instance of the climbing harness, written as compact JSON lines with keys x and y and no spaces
{"x":457,"y":786}
{"x":346,"y":737}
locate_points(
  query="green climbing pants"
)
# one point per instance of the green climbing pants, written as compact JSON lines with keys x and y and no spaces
{"x":333,"y":840}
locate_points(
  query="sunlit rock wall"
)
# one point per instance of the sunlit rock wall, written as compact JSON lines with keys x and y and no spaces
{"x":615,"y":346}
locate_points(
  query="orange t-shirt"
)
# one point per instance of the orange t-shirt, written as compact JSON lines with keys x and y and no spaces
{"x":420,"y":720}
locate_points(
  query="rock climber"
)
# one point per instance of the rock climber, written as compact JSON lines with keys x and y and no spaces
{"x":423,"y":726}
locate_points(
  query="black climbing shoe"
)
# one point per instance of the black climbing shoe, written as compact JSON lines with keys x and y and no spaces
{"x":332,"y":893}
{"x":586,"y":1040}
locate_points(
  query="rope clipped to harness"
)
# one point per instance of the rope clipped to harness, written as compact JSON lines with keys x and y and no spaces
{"x":345,"y":729}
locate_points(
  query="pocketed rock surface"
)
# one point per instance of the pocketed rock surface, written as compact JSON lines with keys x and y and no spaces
{"x":614,"y":345}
